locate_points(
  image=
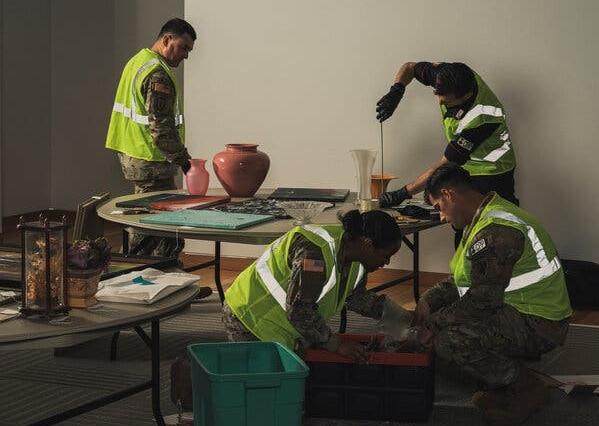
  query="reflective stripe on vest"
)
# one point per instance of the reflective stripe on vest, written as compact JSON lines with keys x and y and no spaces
{"x":527,"y":278}
{"x":477,"y":111}
{"x":138,"y":118}
{"x":131,"y":113}
{"x":493,"y":111}
{"x":496,"y":154}
{"x":546,"y":267}
{"x":275,"y":288}
{"x":331,"y":242}
{"x":268,"y":278}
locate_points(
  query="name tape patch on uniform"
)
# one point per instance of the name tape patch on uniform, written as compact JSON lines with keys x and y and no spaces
{"x":465,"y":143}
{"x":478,"y":246}
{"x":313,"y":265}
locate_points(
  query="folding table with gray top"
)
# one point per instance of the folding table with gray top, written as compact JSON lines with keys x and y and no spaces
{"x":260,"y":234}
{"x":85,"y":325}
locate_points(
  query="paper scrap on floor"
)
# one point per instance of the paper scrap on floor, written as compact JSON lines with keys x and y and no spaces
{"x":146,"y":286}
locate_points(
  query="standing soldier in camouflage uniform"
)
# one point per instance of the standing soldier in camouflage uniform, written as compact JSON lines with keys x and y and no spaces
{"x":146,"y":125}
{"x":506,"y":299}
{"x":307,"y":276}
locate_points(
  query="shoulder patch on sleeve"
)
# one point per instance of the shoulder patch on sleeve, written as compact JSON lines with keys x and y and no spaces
{"x":162,"y":88}
{"x":313,"y":265}
{"x":477,"y":247}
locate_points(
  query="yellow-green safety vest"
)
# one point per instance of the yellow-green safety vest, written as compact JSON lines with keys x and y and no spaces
{"x":258,"y":296}
{"x":496,"y":154}
{"x":537,"y":286}
{"x":129,"y":131}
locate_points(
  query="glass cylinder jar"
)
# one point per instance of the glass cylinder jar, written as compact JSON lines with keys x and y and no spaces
{"x":44,"y":272}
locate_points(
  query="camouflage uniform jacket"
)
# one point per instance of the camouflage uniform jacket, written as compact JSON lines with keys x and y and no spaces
{"x":305,"y":287}
{"x":159,"y":93}
{"x":491,"y":272}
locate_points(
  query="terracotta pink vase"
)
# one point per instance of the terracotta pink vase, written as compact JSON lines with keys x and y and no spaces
{"x":197,"y":177}
{"x":241,"y":169}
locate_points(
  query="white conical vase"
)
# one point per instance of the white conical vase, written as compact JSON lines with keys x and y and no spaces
{"x":364,"y":162}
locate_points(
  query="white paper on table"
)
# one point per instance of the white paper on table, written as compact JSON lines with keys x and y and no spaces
{"x":578,"y":383}
{"x":123,"y":289}
{"x":7,"y":313}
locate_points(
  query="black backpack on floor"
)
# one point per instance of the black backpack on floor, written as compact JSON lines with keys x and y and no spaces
{"x":582,"y":280}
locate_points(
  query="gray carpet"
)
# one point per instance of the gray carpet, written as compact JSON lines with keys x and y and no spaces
{"x":36,"y":384}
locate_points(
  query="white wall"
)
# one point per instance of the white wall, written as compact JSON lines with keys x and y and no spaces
{"x":85,"y":72}
{"x":136,"y":25}
{"x":302,"y":79}
{"x":25,"y":118}
{"x":1,"y":37}
{"x":61,"y":62}
{"x":82,"y":62}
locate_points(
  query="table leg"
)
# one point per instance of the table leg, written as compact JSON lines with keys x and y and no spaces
{"x":154,"y":384}
{"x":416,"y":266}
{"x":125,"y":242}
{"x":216,"y":263}
{"x":156,"y":373}
{"x":414,"y":247}
{"x":219,"y":285}
{"x":93,"y":405}
{"x":114,"y":345}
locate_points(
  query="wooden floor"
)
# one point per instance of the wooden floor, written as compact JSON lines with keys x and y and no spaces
{"x":231,"y":267}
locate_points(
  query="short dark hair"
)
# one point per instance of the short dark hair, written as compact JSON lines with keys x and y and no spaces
{"x":178,"y":27}
{"x":454,"y":78}
{"x":375,"y":225}
{"x":448,"y":175}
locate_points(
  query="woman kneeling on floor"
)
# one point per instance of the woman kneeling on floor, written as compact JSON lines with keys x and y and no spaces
{"x":306,"y":277}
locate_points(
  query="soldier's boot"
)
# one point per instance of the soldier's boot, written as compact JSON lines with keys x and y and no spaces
{"x":513,"y":404}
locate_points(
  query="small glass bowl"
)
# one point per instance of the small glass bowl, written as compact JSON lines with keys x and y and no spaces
{"x":303,"y":211}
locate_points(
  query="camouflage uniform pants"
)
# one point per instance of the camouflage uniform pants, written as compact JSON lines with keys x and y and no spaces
{"x":491,"y":350}
{"x":149,"y":176}
{"x":236,"y":331}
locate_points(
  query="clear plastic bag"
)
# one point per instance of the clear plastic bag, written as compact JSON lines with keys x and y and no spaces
{"x":396,"y":325}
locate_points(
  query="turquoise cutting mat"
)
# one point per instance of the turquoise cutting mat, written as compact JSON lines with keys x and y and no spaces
{"x":207,"y":219}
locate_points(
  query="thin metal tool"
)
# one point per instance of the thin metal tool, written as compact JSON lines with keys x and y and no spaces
{"x":382,"y":159}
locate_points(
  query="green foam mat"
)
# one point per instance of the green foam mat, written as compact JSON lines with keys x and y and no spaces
{"x":207,"y":219}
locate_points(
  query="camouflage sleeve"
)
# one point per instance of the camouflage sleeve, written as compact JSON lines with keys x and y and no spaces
{"x":364,"y":302}
{"x":160,"y":103}
{"x":308,"y":277}
{"x":442,"y":294}
{"x":493,"y":254}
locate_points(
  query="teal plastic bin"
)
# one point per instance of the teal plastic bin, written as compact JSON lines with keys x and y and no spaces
{"x":246,"y":384}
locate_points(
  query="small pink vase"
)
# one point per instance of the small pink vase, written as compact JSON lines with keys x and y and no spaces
{"x":197,"y":177}
{"x":241,"y":169}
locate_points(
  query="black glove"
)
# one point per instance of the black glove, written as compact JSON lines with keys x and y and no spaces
{"x":387,"y":104}
{"x":186,"y":166}
{"x":394,"y":198}
{"x":416,"y":212}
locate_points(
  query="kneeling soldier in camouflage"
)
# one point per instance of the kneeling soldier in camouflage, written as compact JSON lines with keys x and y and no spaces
{"x":505,"y":301}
